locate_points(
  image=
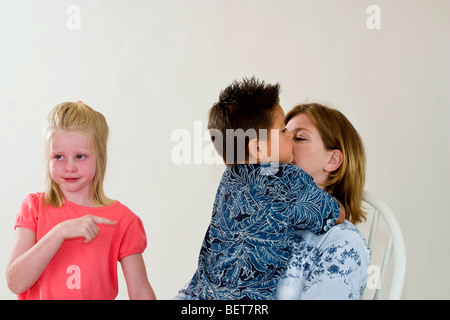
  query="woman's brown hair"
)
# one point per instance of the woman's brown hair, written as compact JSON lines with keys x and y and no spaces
{"x":347,"y":182}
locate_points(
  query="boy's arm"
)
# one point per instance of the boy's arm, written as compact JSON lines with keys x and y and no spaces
{"x":316,"y":210}
{"x":341,"y":217}
{"x":138,"y":286}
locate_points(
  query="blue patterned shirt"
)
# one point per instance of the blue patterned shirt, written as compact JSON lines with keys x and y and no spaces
{"x":249,"y":241}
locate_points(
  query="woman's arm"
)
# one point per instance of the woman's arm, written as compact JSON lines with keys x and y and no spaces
{"x":328,"y":266}
{"x":138,"y":286}
{"x":339,"y":273}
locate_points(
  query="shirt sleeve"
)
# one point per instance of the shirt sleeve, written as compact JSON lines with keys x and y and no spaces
{"x":338,"y":274}
{"x":313,"y":209}
{"x":334,"y":267}
{"x":134,"y":239}
{"x":28,"y":214}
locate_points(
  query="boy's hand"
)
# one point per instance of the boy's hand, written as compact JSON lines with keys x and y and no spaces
{"x":341,"y":217}
{"x":85,"y":227}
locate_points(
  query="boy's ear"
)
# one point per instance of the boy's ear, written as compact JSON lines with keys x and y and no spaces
{"x":334,"y":160}
{"x":253,"y":149}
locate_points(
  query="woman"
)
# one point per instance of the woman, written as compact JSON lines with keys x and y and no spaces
{"x":331,"y":265}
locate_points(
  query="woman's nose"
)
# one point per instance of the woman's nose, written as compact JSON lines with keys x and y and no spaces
{"x":290,"y":135}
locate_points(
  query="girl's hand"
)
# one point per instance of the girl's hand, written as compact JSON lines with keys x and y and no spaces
{"x":29,"y":257}
{"x":85,"y":227}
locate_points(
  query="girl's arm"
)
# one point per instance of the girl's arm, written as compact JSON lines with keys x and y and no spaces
{"x":29,"y":258}
{"x":138,"y":286}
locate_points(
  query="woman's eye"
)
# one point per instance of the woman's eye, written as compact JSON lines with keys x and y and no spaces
{"x":300,"y":139}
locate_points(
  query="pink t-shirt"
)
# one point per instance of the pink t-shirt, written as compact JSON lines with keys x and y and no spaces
{"x":82,"y":270}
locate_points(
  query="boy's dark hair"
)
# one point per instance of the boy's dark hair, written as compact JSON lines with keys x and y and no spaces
{"x":243,"y":109}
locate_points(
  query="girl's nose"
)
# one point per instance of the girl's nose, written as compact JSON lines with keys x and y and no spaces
{"x":70,"y":166}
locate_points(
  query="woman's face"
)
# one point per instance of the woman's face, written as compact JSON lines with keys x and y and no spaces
{"x":309,"y":151}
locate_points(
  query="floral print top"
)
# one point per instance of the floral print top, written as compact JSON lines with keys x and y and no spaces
{"x":328,"y":266}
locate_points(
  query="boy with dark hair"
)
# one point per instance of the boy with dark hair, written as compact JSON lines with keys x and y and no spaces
{"x":260,"y":200}
{"x":243,"y":112}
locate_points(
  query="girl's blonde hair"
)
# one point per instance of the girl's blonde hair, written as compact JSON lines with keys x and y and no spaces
{"x":79,"y":117}
{"x":347,"y":182}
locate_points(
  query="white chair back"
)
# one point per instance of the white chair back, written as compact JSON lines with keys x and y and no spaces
{"x":395,"y":245}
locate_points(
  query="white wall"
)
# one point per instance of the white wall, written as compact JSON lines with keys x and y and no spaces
{"x":152,"y":67}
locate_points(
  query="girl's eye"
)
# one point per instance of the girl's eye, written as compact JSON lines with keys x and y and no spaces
{"x":284,"y":130}
{"x":58,"y":157}
{"x":80,"y":157}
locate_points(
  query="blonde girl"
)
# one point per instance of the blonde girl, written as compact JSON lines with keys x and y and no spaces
{"x":70,"y":237}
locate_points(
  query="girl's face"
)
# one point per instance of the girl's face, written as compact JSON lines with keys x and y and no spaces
{"x":310,"y":153}
{"x":72,"y":165}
